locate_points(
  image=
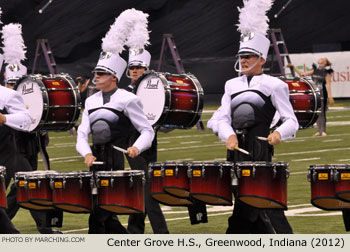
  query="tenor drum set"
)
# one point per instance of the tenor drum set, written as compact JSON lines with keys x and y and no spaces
{"x":120,"y":192}
{"x":260,"y":184}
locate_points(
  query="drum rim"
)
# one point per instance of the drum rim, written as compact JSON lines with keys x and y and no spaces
{"x":119,"y":173}
{"x":210,"y":163}
{"x":261,"y":164}
{"x":329,"y":166}
{"x":167,"y":95}
{"x":72,"y":174}
{"x":40,"y":79}
{"x":41,"y":174}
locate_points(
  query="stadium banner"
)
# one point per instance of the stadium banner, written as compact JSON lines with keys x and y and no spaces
{"x":176,"y":242}
{"x":340,"y":64}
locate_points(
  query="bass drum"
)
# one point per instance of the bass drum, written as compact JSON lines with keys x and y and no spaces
{"x":53,"y":101}
{"x":305,"y":99}
{"x":171,"y":100}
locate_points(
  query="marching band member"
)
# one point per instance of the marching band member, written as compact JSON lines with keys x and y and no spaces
{"x":27,"y":144}
{"x":13,"y":115}
{"x":109,"y":116}
{"x":137,"y":66}
{"x":247,"y":109}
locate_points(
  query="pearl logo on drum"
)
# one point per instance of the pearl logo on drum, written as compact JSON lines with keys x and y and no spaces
{"x":27,"y":88}
{"x":151,"y":84}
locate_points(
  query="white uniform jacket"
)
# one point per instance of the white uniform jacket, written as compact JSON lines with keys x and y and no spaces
{"x":18,"y":117}
{"x":125,"y":102}
{"x":270,"y":86}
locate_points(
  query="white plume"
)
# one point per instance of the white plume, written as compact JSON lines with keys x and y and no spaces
{"x":139,"y":35}
{"x":252,"y":17}
{"x":0,"y":15}
{"x":117,"y":35}
{"x":14,"y":48}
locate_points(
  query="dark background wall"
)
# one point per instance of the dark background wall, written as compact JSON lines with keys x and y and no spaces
{"x":204,"y":31}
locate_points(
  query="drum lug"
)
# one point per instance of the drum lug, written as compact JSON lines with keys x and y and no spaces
{"x":176,"y":171}
{"x":162,"y":172}
{"x":112,"y":182}
{"x":150,"y":172}
{"x":81,"y":182}
{"x":64,"y":183}
{"x":314,"y":177}
{"x":39,"y":184}
{"x":238,"y":170}
{"x":189,"y":171}
{"x":308,"y":176}
{"x":287,"y":173}
{"x":26,"y":185}
{"x":253,"y":172}
{"x":92,"y":183}
{"x":16,"y":182}
{"x":274,"y":172}
{"x":131,"y":182}
{"x":52,"y":183}
{"x":203,"y":171}
{"x":221,"y":171}
{"x":143,"y":180}
{"x":234,"y":180}
{"x":335,"y":176}
{"x":98,"y":183}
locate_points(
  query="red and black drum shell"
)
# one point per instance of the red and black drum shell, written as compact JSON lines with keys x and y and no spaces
{"x":175,"y":180}
{"x":323,"y":193}
{"x":72,"y":192}
{"x":22,"y":193}
{"x":342,"y":182}
{"x":263,"y":184}
{"x":305,"y":100}
{"x":156,"y":175}
{"x":210,"y":182}
{"x":121,"y":192}
{"x":186,"y":101}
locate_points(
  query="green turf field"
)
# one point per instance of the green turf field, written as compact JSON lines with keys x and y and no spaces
{"x":193,"y":145}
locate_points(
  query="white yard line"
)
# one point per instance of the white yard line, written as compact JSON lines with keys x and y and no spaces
{"x":295,"y":173}
{"x":186,"y":136}
{"x":332,"y":140}
{"x":190,"y":147}
{"x":295,"y":141}
{"x":338,"y":123}
{"x":305,"y":159}
{"x":314,"y":151}
{"x":192,"y":142}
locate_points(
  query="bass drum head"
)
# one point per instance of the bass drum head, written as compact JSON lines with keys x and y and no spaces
{"x":32,"y":96}
{"x":152,"y":95}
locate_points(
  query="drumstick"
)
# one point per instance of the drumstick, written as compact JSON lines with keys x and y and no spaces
{"x":119,"y":149}
{"x":242,"y":150}
{"x":262,"y":138}
{"x":98,"y":163}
